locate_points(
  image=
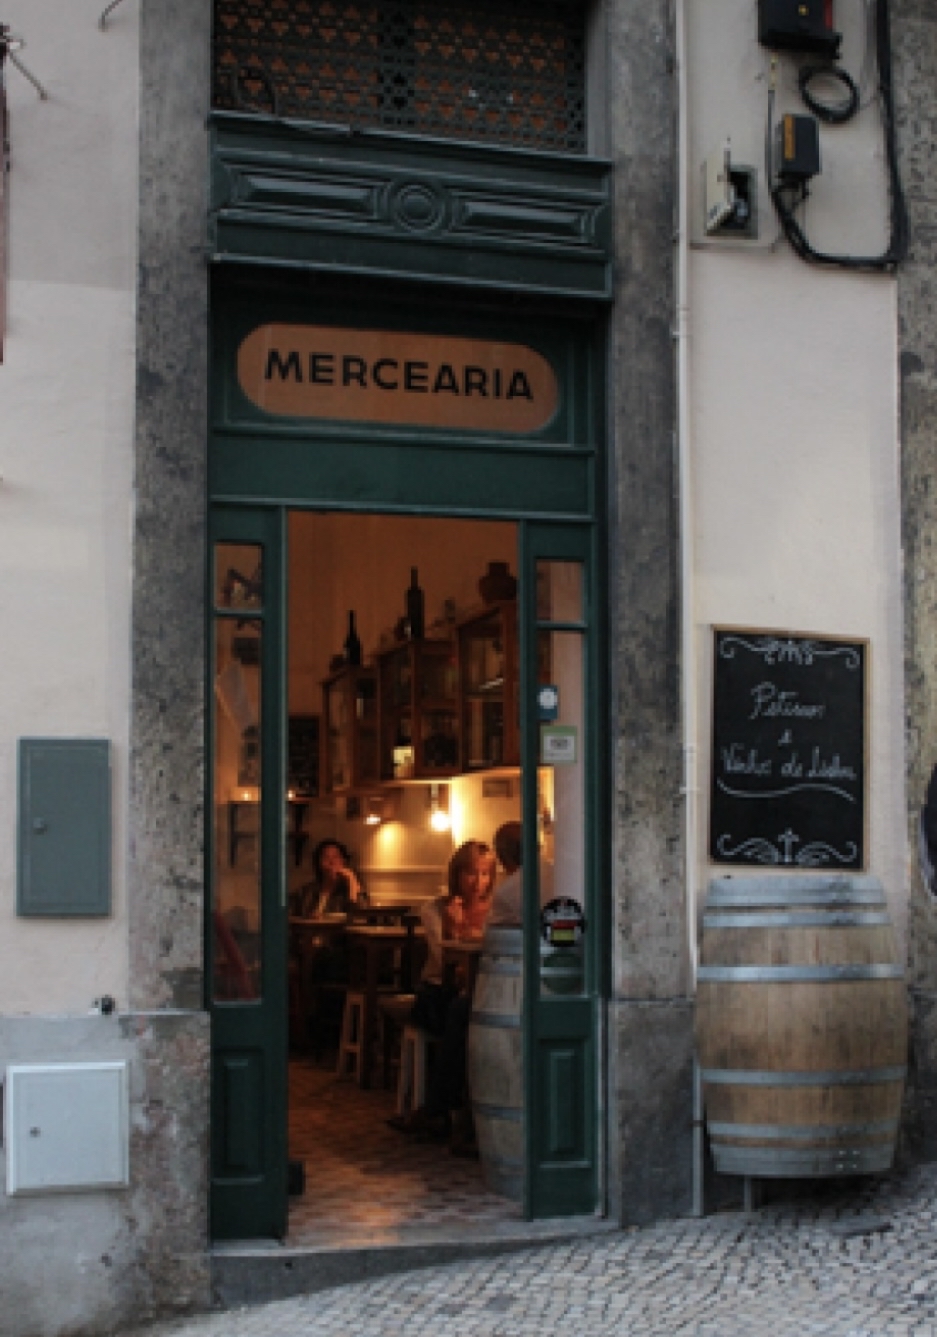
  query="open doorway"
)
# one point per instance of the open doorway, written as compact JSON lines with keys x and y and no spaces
{"x":413,"y":699}
{"x":403,"y":688}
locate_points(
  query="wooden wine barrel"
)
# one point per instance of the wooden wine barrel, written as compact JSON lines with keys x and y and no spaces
{"x":801,"y":1027}
{"x":495,"y":1061}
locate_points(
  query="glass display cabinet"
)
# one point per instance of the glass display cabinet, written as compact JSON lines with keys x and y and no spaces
{"x":488,"y":688}
{"x":349,"y":710}
{"x":418,"y":711}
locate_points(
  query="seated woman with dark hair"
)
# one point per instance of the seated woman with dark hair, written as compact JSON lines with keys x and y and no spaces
{"x":334,"y":890}
{"x":335,"y":887}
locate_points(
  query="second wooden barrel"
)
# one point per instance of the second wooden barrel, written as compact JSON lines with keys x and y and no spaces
{"x":801,"y":1026}
{"x":495,"y":1061}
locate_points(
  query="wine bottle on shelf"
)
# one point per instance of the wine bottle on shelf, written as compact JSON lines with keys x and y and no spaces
{"x":352,"y":645}
{"x":415,"y":607}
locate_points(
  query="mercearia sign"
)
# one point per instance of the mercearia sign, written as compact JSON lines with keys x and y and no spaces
{"x":311,"y":371}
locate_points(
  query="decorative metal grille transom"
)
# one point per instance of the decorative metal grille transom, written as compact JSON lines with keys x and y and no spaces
{"x":503,"y":71}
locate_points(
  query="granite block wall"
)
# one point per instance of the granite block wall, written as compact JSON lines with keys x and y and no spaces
{"x":914,"y":38}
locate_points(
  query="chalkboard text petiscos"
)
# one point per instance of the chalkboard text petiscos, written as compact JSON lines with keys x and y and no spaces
{"x":788,"y":764}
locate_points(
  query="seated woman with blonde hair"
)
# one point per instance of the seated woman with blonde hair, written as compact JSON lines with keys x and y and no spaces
{"x":442,"y":1008}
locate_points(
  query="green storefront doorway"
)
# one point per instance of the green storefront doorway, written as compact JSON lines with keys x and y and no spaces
{"x":341,"y":444}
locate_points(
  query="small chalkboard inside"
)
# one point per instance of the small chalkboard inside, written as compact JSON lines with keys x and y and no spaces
{"x":788,"y":765}
{"x":303,"y":760}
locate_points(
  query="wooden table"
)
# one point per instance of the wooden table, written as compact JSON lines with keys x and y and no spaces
{"x":461,"y":954}
{"x":368,"y":944}
{"x":317,"y":926}
{"x":307,"y":936}
{"x":309,"y":933}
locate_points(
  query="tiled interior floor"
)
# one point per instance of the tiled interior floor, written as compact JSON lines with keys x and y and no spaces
{"x":366,"y":1183}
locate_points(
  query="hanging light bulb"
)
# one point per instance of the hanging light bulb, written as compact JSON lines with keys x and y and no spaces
{"x":439,"y":819}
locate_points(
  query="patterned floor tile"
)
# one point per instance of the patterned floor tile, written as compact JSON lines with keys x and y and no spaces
{"x":367,"y":1182}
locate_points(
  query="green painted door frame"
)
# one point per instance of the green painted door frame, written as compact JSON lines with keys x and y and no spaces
{"x":562,"y":1065}
{"x":550,"y":484}
{"x":249,"y":1035}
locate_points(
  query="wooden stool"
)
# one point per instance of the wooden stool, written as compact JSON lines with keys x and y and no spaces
{"x":351,"y":1043}
{"x":394,"y":1013}
{"x":411,"y":1084}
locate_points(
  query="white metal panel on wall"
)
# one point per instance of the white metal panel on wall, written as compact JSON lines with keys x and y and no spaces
{"x":67,"y":1127}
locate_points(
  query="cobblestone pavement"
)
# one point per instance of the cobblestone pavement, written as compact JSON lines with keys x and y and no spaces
{"x":853,"y":1262}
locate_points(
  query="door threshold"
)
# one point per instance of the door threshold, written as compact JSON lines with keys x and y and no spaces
{"x":249,"y":1272}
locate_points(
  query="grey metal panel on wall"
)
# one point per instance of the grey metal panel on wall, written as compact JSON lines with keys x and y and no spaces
{"x":64,"y":827}
{"x":372,"y":203}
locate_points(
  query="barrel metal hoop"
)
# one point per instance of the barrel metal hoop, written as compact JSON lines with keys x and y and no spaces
{"x":845,"y":1077}
{"x":507,"y":1114}
{"x":784,"y":1162}
{"x":807,"y":974}
{"x":508,"y":1021}
{"x":812,"y":1132}
{"x":803,"y":919}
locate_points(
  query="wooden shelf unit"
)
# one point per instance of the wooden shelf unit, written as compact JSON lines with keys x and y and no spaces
{"x":349,"y":729}
{"x":418,"y":710}
{"x":488,"y":688}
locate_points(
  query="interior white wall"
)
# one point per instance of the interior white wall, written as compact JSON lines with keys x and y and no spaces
{"x":66,"y":433}
{"x":339,"y":562}
{"x":793,"y":411}
{"x":362,"y":562}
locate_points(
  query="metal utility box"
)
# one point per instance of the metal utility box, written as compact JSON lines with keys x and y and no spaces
{"x":798,"y":25}
{"x":797,"y":149}
{"x":64,"y":827}
{"x":730,"y":197}
{"x":67,"y":1127}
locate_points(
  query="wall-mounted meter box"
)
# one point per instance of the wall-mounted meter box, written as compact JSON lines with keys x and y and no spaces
{"x":64,"y":835}
{"x":798,"y":25}
{"x":729,"y":196}
{"x":797,"y":149}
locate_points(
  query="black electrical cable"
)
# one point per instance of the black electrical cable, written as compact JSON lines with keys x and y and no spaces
{"x":897,"y":247}
{"x":833,"y":113}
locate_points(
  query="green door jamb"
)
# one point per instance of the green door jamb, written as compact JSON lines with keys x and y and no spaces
{"x":249,"y":1022}
{"x":562,"y":1064}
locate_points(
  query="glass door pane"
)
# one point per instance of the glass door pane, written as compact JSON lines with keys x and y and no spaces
{"x":237,"y":909}
{"x":561,"y":798}
{"x":245,"y":919}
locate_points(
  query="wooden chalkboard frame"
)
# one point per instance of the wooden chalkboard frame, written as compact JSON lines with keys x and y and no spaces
{"x":789,"y":762}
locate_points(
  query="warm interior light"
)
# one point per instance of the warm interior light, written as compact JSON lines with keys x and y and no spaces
{"x":439,"y":819}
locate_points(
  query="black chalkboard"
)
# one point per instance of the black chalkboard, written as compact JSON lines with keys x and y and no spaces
{"x":788,"y":765}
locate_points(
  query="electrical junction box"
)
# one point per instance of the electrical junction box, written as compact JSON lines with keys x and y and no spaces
{"x":798,"y":25}
{"x":67,"y":1127}
{"x":730,"y":194}
{"x":797,"y":149}
{"x":64,"y":827}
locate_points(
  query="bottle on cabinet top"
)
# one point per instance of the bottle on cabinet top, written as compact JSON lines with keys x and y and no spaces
{"x":352,"y":646}
{"x":414,"y":602}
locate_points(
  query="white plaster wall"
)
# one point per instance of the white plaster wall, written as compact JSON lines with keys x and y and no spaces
{"x":793,"y":411}
{"x":66,"y":433}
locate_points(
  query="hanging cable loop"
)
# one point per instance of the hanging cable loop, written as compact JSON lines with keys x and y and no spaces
{"x":833,"y":113}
